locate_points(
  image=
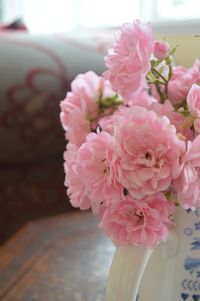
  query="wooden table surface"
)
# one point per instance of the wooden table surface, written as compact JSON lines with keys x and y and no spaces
{"x":62,"y":258}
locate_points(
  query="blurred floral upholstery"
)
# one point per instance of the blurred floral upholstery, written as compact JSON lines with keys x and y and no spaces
{"x":35,"y":74}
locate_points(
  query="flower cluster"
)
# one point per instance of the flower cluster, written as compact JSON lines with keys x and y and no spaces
{"x":133,"y":151}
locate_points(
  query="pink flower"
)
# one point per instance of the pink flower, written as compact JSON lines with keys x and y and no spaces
{"x":96,"y":166}
{"x":128,"y":61}
{"x":167,"y":110}
{"x":128,"y":150}
{"x":190,"y":199}
{"x":187,"y":184}
{"x":140,"y":223}
{"x":80,"y":110}
{"x":197,"y":125}
{"x":75,"y":187}
{"x":193,"y":100}
{"x":196,"y":67}
{"x":141,"y":99}
{"x":149,"y":151}
{"x":106,"y":123}
{"x":160,"y":50}
{"x":74,"y":122}
{"x":176,"y":118}
{"x":181,"y":82}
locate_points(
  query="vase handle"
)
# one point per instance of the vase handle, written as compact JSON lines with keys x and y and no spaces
{"x":127,"y":275}
{"x":126,"y":272}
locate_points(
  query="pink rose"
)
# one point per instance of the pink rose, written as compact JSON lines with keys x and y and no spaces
{"x":96,"y":168}
{"x":80,"y":110}
{"x":160,"y":50}
{"x":142,"y":99}
{"x":193,"y":101}
{"x":106,"y":123}
{"x":176,"y":118}
{"x":128,"y":61}
{"x":197,"y":125}
{"x":196,"y":67}
{"x":149,"y":151}
{"x":190,"y":199}
{"x":140,"y":223}
{"x":75,"y":187}
{"x":187,"y":184}
{"x":167,"y":110}
{"x":181,"y":82}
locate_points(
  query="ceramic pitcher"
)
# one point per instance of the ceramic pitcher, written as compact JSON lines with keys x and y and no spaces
{"x":169,"y":272}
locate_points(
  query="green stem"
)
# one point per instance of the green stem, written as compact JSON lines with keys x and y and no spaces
{"x":170,"y":73}
{"x":158,"y":74}
{"x":155,"y":82}
{"x":160,"y":93}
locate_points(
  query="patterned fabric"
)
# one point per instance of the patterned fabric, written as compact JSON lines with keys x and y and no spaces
{"x":36,"y":72}
{"x":48,"y":260}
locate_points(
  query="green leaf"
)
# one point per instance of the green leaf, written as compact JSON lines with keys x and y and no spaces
{"x":173,"y":50}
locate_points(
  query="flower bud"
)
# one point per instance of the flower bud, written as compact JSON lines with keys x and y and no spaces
{"x":161,"y":50}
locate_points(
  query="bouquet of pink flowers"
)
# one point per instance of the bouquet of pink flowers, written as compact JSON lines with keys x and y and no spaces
{"x":133,"y":152}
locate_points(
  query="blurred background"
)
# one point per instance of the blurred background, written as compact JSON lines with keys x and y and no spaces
{"x":43,"y":16}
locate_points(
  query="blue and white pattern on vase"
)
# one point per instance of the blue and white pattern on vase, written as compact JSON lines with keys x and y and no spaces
{"x":190,"y":283}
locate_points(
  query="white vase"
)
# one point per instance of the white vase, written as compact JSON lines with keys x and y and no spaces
{"x":170,"y":272}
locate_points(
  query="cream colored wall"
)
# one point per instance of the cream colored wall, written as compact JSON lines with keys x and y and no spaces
{"x":189,"y":48}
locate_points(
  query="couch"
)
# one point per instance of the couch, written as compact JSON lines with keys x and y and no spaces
{"x":35,"y":74}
